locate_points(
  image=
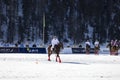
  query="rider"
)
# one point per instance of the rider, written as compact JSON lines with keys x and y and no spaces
{"x":54,"y":42}
{"x":96,"y":43}
{"x":87,"y":42}
{"x":87,"y":46}
{"x":96,"y":47}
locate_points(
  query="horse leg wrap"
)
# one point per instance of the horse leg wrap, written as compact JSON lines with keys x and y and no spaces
{"x":56,"y":59}
{"x":49,"y":59}
{"x":59,"y":59}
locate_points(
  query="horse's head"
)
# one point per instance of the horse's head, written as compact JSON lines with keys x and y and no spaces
{"x":87,"y":46}
{"x":61,"y":45}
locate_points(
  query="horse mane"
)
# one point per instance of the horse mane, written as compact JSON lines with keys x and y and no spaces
{"x":88,"y":46}
{"x":59,"y":45}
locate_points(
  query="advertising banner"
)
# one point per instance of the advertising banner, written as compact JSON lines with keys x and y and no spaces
{"x":8,"y":50}
{"x":81,"y":50}
{"x":22,"y":50}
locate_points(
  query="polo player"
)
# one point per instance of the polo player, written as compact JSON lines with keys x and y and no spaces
{"x":96,"y":47}
{"x":54,"y":42}
{"x":87,"y":43}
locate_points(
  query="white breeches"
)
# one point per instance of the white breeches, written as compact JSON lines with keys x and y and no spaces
{"x":52,"y":46}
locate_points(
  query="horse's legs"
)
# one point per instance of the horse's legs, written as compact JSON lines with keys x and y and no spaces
{"x":49,"y":58}
{"x":49,"y":53}
{"x":96,"y":52}
{"x":58,"y":58}
{"x":87,"y":51}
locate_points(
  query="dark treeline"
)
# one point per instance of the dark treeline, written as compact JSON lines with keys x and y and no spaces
{"x":68,"y":19}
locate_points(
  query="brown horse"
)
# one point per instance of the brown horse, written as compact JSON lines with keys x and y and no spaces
{"x":113,"y":49}
{"x":96,"y":49}
{"x":87,"y":49}
{"x":56,"y":50}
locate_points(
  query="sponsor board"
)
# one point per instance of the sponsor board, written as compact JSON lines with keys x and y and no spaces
{"x":22,"y":50}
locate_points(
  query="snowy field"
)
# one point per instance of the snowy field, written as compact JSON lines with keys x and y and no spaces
{"x":73,"y":67}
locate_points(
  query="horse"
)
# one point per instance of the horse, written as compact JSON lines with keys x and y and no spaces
{"x":96,"y":49}
{"x":56,"y":50}
{"x":87,"y":49}
{"x":113,"y":49}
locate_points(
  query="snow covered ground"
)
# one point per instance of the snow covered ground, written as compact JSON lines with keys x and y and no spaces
{"x":73,"y":67}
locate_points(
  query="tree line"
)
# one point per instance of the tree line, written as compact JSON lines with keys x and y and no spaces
{"x":70,"y":20}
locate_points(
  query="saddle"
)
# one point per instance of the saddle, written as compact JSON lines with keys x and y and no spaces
{"x":55,"y":47}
